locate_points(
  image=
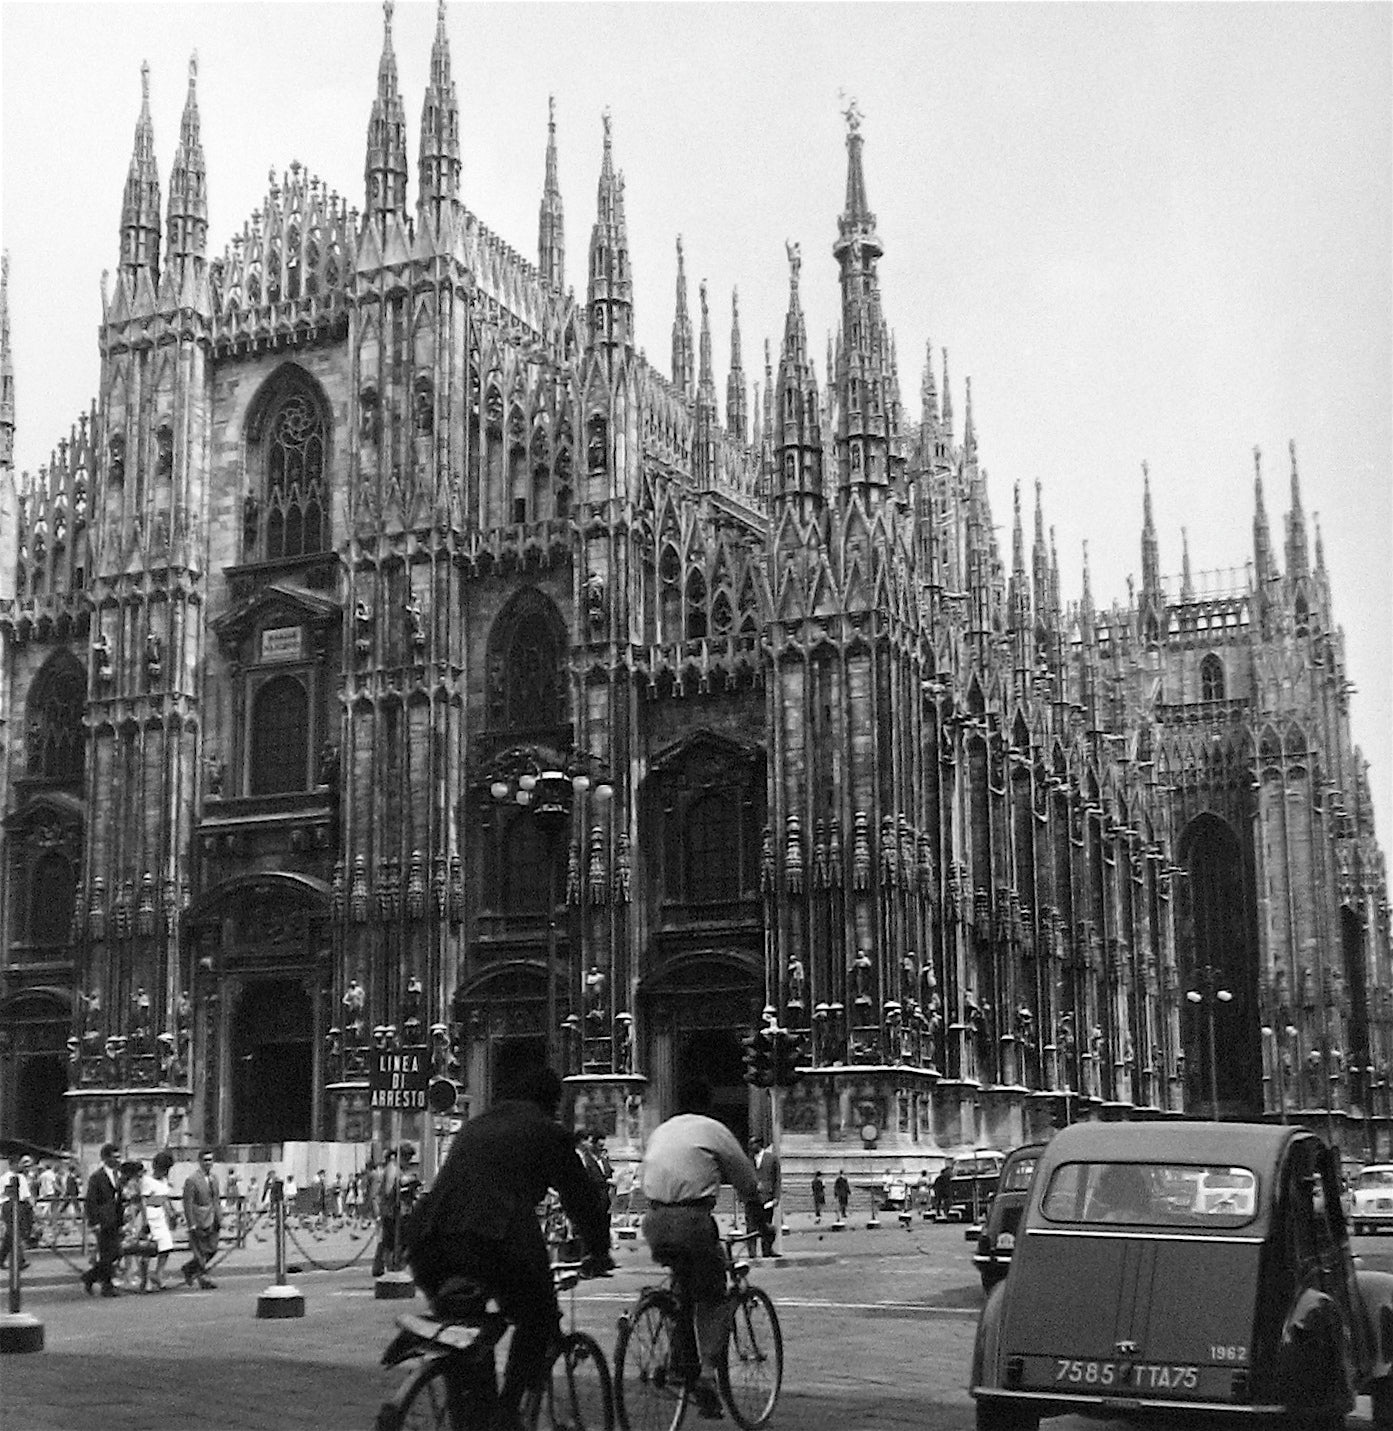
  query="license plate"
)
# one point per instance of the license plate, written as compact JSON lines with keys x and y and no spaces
{"x":1128,"y":1378}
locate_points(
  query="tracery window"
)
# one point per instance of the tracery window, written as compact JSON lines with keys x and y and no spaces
{"x":670,"y":575}
{"x":280,"y":737}
{"x":531,"y":687}
{"x":55,"y":735}
{"x":52,"y":896}
{"x":297,"y":518}
{"x":712,"y":850}
{"x":526,"y":874}
{"x":696,"y":607}
{"x":1211,"y":679}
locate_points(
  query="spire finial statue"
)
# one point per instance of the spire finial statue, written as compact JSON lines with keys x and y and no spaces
{"x":388,"y":6}
{"x":145,"y":81}
{"x":852,"y":113}
{"x":193,"y":67}
{"x":795,"y":262}
{"x":551,"y":100}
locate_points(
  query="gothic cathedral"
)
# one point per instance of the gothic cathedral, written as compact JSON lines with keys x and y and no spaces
{"x":376,"y":533}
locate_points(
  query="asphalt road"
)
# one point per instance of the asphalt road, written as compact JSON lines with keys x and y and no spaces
{"x":878,"y":1329}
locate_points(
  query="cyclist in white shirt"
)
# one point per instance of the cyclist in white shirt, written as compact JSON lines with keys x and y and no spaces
{"x":686,"y":1161}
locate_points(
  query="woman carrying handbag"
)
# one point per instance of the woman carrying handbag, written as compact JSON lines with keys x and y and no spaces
{"x":156,"y":1195}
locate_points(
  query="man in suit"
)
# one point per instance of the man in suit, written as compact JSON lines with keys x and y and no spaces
{"x":103,"y":1209}
{"x":204,"y":1219}
{"x":767,"y":1175}
{"x":389,"y":1210}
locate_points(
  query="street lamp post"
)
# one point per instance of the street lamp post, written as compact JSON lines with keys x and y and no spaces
{"x":1209,"y":994}
{"x":546,"y":785}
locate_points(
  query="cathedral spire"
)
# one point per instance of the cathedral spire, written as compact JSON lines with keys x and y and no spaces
{"x":7,"y":372}
{"x":140,"y":206}
{"x":798,"y":427}
{"x":1263,"y":571}
{"x":384,"y":169}
{"x":1017,"y":539}
{"x":611,"y":281}
{"x":1087,"y":613}
{"x":1150,"y":548}
{"x":865,"y":432}
{"x":551,"y":222}
{"x":186,"y":238}
{"x":737,"y":409}
{"x":440,"y":161}
{"x":683,"y":357}
{"x":969,"y":431}
{"x":706,"y":380}
{"x":1298,"y":553}
{"x":947,"y":403}
{"x":1187,"y":580}
{"x":1320,"y":548}
{"x":1040,"y":556}
{"x":929,"y":402}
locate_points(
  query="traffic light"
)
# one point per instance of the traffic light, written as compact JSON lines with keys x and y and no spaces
{"x":788,"y":1054}
{"x":759,"y":1058}
{"x":442,"y":1095}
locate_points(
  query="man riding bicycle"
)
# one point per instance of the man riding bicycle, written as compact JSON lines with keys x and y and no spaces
{"x":479,"y":1223}
{"x":686,"y":1161}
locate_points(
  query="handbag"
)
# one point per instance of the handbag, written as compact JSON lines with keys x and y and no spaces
{"x":139,"y":1247}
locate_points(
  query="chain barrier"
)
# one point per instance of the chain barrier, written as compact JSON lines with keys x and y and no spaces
{"x":309,"y":1257}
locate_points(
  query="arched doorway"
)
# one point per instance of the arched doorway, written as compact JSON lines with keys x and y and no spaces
{"x":504,"y":1011}
{"x":698,"y":1008}
{"x":1218,"y":952}
{"x":34,"y":1073}
{"x":272,"y":1063}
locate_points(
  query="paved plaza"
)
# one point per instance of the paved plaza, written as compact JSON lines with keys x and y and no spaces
{"x":878,"y":1329}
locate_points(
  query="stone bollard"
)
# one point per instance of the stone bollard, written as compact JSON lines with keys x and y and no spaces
{"x":19,"y":1332}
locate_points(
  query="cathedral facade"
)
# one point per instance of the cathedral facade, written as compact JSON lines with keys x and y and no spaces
{"x":376,"y":532}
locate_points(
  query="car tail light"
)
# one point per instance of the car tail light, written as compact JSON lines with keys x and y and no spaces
{"x":1015,"y":1370}
{"x":1240,"y":1389}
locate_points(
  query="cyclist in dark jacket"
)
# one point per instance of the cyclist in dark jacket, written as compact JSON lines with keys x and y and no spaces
{"x":479,"y":1221}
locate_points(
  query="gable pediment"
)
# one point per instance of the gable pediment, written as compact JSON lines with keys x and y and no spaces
{"x":276,"y":607}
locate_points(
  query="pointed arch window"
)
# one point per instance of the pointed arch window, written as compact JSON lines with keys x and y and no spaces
{"x":280,"y":737}
{"x":54,"y":734}
{"x":670,"y":577}
{"x":526,"y":662}
{"x":297,"y":509}
{"x":712,"y":850}
{"x":696,"y":607}
{"x":526,"y":875}
{"x":1211,"y":679}
{"x":52,"y":897}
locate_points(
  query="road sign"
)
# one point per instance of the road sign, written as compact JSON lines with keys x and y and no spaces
{"x":399,"y":1078}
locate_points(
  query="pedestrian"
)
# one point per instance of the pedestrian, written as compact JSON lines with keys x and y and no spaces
{"x":372,"y":1191}
{"x":17,"y":1188}
{"x":72,"y":1190}
{"x":598,"y":1179}
{"x":940,"y":1188}
{"x":290,"y":1192}
{"x":48,"y":1194}
{"x":203,"y":1219}
{"x":819,"y":1196}
{"x":319,"y":1196}
{"x":767,"y":1173}
{"x":157,"y":1196}
{"x":133,"y":1239}
{"x":352,"y":1195}
{"x":841,"y":1190}
{"x":232,"y":1199}
{"x":388,"y":1207}
{"x":27,"y":1221}
{"x":597,"y":1144}
{"x":102,"y":1208}
{"x":923,"y":1193}
{"x":336,"y":1197}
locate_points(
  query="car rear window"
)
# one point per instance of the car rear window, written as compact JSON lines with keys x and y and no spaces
{"x":1019,"y":1174}
{"x":1375,"y":1178}
{"x":1151,"y":1195}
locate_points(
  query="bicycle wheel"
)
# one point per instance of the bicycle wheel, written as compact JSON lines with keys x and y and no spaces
{"x":752,"y":1368}
{"x":421,"y":1405}
{"x":578,"y":1395}
{"x":650,"y":1392}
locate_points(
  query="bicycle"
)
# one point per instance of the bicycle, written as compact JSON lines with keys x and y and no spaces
{"x":652,"y":1388}
{"x":577,"y":1394}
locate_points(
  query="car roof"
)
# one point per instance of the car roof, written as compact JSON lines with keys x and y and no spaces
{"x":1260,"y":1146}
{"x":1376,"y":1168}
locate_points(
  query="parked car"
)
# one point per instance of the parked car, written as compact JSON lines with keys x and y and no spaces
{"x":997,"y":1239}
{"x":973,"y":1184}
{"x":1371,"y":1204}
{"x":1179,"y":1271}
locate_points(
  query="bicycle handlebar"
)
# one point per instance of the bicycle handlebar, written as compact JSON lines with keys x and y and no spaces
{"x":730,"y":1237}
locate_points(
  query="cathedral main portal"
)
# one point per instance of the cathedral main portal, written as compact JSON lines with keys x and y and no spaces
{"x":697,"y":1009}
{"x":272,"y":1063}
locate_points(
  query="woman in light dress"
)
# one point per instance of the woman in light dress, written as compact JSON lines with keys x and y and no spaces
{"x":157,"y":1195}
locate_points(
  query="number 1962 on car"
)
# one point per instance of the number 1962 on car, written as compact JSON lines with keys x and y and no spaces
{"x":1129,"y":1375}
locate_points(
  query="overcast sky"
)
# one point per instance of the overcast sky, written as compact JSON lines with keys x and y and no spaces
{"x":1145,"y":231}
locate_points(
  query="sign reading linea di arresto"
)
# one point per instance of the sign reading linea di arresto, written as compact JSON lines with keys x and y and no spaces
{"x":399,"y":1078}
